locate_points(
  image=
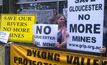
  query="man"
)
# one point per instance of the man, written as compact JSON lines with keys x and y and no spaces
{"x":104,"y":48}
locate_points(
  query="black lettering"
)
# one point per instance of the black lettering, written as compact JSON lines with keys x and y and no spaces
{"x":48,"y":44}
{"x":37,"y":43}
{"x":92,"y":0}
{"x":73,"y":28}
{"x":80,"y":1}
{"x":93,"y":40}
{"x":44,"y":55}
{"x":83,"y":17}
{"x":83,"y":1}
{"x":88,"y":39}
{"x":81,"y":28}
{"x":57,"y":57}
{"x":84,"y":39}
{"x":25,"y":61}
{"x":39,"y":30}
{"x":71,"y":9}
{"x":33,"y":63}
{"x":82,"y":8}
{"x":104,"y":63}
{"x":87,"y":17}
{"x":50,"y":56}
{"x":18,"y":60}
{"x":15,"y":59}
{"x":16,"y":23}
{"x":16,"y":35}
{"x":75,"y":38}
{"x":25,"y":18}
{"x":88,"y":28}
{"x":47,"y":30}
{"x":97,"y":28}
{"x":21,"y":29}
{"x":29,"y":53}
{"x":80,"y":17}
{"x":76,"y":1}
{"x":45,"y":63}
{"x":88,"y":61}
{"x":38,"y":54}
{"x":39,"y":63}
{"x":69,"y":59}
{"x":100,"y":6}
{"x":34,"y":53}
{"x":96,"y":62}
{"x":29,"y":18}
{"x":6,"y":29}
{"x":76,"y":61}
{"x":10,"y":18}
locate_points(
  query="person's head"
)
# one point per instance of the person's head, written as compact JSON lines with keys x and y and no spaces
{"x":60,"y":20}
{"x":54,"y":12}
{"x":51,"y":20}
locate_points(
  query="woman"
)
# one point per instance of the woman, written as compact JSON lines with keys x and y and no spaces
{"x":62,"y":33}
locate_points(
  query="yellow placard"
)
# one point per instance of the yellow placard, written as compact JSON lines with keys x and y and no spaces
{"x":26,"y":55}
{"x":20,"y":26}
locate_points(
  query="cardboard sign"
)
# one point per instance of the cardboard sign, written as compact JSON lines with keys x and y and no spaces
{"x":19,"y":25}
{"x":85,"y":25}
{"x":45,"y":35}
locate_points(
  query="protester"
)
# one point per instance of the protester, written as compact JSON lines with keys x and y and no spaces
{"x":62,"y":33}
{"x":50,"y":20}
{"x":104,"y":48}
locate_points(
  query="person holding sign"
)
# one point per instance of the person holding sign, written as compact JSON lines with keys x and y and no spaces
{"x":104,"y":48}
{"x":62,"y":33}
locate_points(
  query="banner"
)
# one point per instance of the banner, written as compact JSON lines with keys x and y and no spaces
{"x":2,"y":54}
{"x":20,"y":26}
{"x":45,"y":35}
{"x":25,"y":55}
{"x":85,"y":25}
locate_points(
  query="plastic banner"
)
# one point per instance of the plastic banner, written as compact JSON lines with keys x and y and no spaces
{"x":27,"y":55}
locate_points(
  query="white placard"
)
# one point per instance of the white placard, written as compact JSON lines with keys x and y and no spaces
{"x":45,"y":35}
{"x":4,"y":36}
{"x":85,"y":25}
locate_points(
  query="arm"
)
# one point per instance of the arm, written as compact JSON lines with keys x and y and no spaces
{"x":65,"y":36}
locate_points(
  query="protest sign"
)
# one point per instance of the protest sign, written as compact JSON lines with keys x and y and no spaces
{"x":20,"y":26}
{"x":85,"y":25}
{"x":45,"y":35}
